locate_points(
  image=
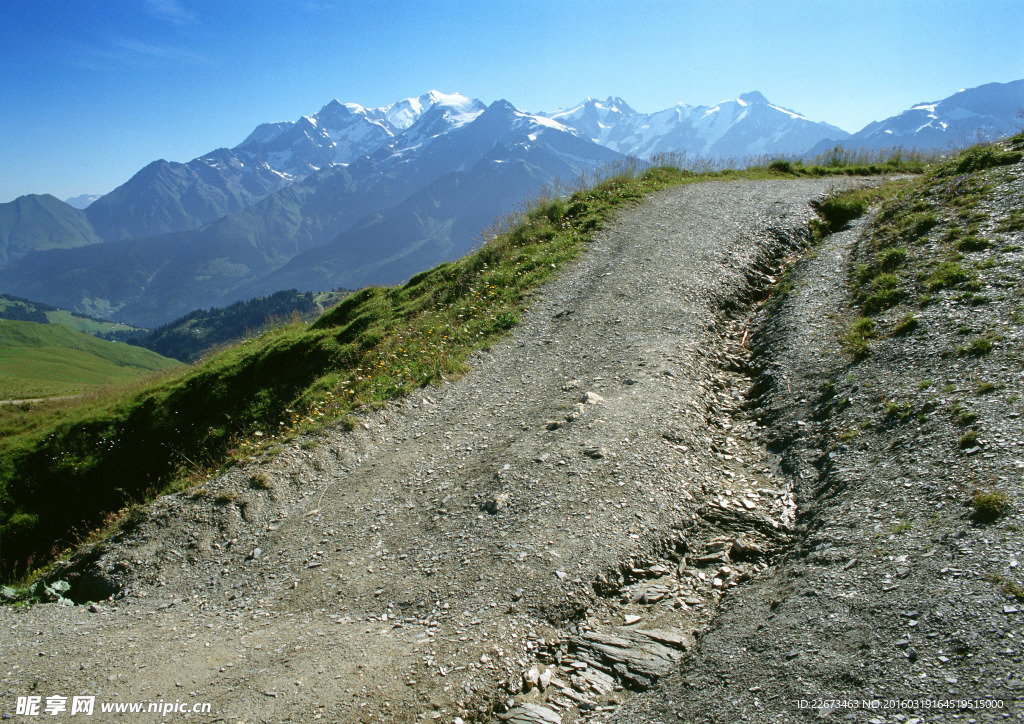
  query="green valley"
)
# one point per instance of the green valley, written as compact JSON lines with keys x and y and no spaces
{"x":45,"y":360}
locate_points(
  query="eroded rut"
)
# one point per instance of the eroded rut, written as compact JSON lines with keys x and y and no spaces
{"x":531,"y":543}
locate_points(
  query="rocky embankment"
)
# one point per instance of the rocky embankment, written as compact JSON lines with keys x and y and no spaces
{"x":900,"y":597}
{"x":631,"y":510}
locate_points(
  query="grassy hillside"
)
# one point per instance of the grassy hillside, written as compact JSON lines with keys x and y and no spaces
{"x":376,"y":345}
{"x":28,"y":311}
{"x":41,"y":360}
{"x":203,"y":330}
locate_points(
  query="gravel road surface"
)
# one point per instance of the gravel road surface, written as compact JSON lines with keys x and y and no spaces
{"x":536,"y":542}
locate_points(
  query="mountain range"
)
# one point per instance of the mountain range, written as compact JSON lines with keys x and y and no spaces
{"x":351,"y":196}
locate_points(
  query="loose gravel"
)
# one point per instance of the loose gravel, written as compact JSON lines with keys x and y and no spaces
{"x":593,"y":512}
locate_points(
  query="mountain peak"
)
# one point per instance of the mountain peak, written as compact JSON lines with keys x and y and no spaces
{"x":753,"y":98}
{"x":502,"y":105}
{"x":617,"y":103}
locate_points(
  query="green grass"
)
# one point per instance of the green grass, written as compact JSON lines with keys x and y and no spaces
{"x":44,"y":360}
{"x":979,"y":347}
{"x":87,"y":325}
{"x":915,"y":247}
{"x":905,"y":326}
{"x":856,"y":340}
{"x":979,"y":158}
{"x":17,"y":308}
{"x":968,"y":439}
{"x":947,"y":274}
{"x":377,"y":345}
{"x":902,"y":527}
{"x":989,"y":505}
{"x":961,"y":416}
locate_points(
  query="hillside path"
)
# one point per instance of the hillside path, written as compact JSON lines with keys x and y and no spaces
{"x":414,"y":565}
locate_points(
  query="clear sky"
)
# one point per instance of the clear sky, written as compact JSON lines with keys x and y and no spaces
{"x":92,"y":90}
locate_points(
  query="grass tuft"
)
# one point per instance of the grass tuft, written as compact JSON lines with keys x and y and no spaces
{"x":989,"y":505}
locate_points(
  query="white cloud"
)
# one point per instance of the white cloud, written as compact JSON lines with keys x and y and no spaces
{"x":172,"y":11}
{"x":153,"y":50}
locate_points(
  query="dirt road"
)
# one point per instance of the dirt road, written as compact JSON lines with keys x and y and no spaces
{"x":533,"y":515}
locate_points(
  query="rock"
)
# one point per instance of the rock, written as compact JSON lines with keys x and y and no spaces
{"x":595,"y":452}
{"x":518,"y":594}
{"x":496,"y":503}
{"x":742,"y":548}
{"x":576,"y":414}
{"x":545,"y":679}
{"x":528,"y":713}
{"x":638,"y":657}
{"x":531,"y":679}
{"x":630,"y":618}
{"x":93,"y":608}
{"x":592,"y":398}
{"x":554,"y":424}
{"x":572,"y":385}
{"x":712,"y":560}
{"x":562,"y":575}
{"x":676,"y":639}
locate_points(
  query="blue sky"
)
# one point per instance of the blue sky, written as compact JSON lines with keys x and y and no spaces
{"x":92,"y":90}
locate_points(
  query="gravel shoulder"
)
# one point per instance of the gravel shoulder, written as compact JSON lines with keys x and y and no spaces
{"x":895,"y":602}
{"x":536,"y":542}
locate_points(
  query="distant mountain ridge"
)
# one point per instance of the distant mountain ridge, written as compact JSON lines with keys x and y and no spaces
{"x":984,"y":113}
{"x":747,"y":126}
{"x":37,"y":222}
{"x":419,"y":176}
{"x":350,"y":196}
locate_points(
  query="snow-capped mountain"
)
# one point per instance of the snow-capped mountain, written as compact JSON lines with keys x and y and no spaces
{"x":745,"y":127}
{"x":166,"y":196}
{"x":968,"y":116}
{"x":350,"y":196}
{"x":421,"y":198}
{"x":81,"y":201}
{"x":340,"y":133}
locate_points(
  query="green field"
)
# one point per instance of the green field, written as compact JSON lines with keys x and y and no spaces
{"x":85,"y":324}
{"x":26,"y":310}
{"x":44,"y":360}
